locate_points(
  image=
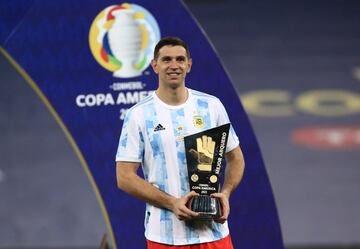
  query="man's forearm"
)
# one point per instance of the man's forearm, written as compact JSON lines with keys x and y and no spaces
{"x":131,"y":183}
{"x":234,"y":171}
{"x":134,"y":185}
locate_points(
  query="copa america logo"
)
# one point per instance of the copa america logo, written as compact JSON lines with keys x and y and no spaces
{"x":122,"y":39}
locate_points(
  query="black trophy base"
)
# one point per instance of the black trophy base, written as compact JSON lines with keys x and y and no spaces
{"x":208,"y":207}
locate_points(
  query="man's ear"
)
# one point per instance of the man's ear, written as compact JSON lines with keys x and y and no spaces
{"x":154,"y":65}
{"x":189,"y":65}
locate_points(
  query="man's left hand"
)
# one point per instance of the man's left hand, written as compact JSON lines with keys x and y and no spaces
{"x":225,"y":207}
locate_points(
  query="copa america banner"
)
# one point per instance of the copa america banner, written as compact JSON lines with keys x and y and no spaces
{"x":89,"y":62}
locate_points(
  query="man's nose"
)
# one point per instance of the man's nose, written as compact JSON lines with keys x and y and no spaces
{"x":174,"y":64}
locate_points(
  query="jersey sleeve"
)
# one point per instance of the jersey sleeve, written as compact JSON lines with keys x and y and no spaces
{"x":223,"y":118}
{"x":131,"y":142}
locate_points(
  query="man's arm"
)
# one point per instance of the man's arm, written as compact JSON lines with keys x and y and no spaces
{"x":233,"y":174}
{"x":131,"y":183}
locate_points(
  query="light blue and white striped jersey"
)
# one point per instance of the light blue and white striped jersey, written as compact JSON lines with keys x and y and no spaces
{"x":153,"y":134}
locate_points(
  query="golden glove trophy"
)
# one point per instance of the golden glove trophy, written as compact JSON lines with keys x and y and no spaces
{"x":205,"y":153}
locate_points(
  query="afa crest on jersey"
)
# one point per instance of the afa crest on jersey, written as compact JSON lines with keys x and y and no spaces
{"x":198,"y":121}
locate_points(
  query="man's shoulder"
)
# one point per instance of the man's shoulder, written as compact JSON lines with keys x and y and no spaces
{"x":205,"y":96}
{"x":148,"y":100}
{"x":200,"y":94}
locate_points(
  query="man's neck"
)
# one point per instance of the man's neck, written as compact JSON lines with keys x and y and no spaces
{"x":173,"y":96}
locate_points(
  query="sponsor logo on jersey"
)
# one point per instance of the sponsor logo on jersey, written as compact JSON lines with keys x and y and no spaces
{"x":159,"y":127}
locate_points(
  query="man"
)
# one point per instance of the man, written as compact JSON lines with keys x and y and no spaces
{"x":152,"y":134}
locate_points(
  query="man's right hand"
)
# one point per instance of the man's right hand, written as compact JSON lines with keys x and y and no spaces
{"x":180,"y":208}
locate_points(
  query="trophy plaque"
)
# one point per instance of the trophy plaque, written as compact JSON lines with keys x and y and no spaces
{"x":205,"y":153}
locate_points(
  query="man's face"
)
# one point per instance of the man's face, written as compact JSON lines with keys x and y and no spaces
{"x":172,"y":65}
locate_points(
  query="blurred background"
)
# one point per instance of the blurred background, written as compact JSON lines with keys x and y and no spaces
{"x":296,"y":68}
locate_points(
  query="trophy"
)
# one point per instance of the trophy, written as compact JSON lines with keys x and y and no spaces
{"x":125,"y":42}
{"x":205,"y":153}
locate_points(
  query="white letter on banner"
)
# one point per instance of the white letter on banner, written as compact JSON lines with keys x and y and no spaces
{"x":121,"y":99}
{"x":90,"y":100}
{"x":132,"y":98}
{"x":100,"y":98}
{"x":109,"y":100}
{"x":80,"y":100}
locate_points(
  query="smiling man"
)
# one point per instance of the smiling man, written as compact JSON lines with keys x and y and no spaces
{"x":152,"y":135}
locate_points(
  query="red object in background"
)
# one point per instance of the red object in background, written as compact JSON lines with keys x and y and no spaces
{"x":328,"y":137}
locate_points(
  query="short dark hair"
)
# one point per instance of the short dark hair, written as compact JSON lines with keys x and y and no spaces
{"x":170,"y":41}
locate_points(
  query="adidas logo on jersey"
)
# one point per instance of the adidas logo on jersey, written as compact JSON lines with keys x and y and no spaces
{"x":159,"y":127}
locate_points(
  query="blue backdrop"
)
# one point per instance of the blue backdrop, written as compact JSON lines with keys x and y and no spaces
{"x":65,"y":50}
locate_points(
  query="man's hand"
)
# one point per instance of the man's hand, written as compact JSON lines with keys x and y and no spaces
{"x":180,"y":208}
{"x":225,"y":207}
{"x":205,"y":152}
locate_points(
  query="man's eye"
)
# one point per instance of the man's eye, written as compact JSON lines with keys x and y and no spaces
{"x":166,"y":59}
{"x":181,"y":59}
